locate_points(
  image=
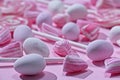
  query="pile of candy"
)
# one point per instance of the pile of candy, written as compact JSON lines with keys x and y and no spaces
{"x":69,"y":23}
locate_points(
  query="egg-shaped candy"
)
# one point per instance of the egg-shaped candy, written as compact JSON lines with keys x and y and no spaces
{"x":99,"y":50}
{"x":35,"y":45}
{"x":77,"y":11}
{"x":70,"y":31}
{"x":31,"y":64}
{"x":22,"y":32}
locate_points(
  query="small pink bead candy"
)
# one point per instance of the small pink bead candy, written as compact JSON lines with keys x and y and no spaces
{"x":60,"y":20}
{"x":114,"y":34}
{"x":90,"y":31}
{"x":70,"y":31}
{"x":73,"y":63}
{"x":44,"y":17}
{"x":13,"y":49}
{"x":77,"y":11}
{"x":22,"y":32}
{"x":62,"y":48}
{"x":112,"y":65}
{"x":5,"y":36}
{"x":99,"y":50}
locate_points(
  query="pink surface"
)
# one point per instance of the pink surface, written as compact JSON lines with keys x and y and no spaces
{"x":95,"y":71}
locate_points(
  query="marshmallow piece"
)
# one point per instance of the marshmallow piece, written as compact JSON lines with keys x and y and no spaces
{"x":5,"y":36}
{"x":44,"y":17}
{"x":62,"y":48}
{"x":22,"y":32}
{"x":112,"y":65}
{"x":114,"y":34}
{"x":31,"y":64}
{"x":60,"y":20}
{"x":77,"y":11}
{"x":34,"y":45}
{"x":70,"y":31}
{"x":13,"y":49}
{"x":99,"y":50}
{"x":56,"y":6}
{"x":73,"y":63}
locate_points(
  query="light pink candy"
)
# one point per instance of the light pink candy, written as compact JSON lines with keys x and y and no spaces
{"x":73,"y":63}
{"x":5,"y":36}
{"x":14,"y":49}
{"x":62,"y":48}
{"x":112,"y":65}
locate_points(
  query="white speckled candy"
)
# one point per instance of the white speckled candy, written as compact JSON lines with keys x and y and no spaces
{"x":62,"y":48}
{"x":99,"y":50}
{"x":114,"y":34}
{"x":112,"y":65}
{"x":35,"y":45}
{"x":56,"y":6}
{"x":71,"y":31}
{"x":77,"y":11}
{"x":73,"y":63}
{"x":22,"y":32}
{"x":31,"y":64}
{"x":44,"y":17}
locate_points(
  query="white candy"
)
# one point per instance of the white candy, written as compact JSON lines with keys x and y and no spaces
{"x":22,"y":32}
{"x":70,"y":31}
{"x":30,"y":64}
{"x":114,"y":34}
{"x":56,"y":6}
{"x":77,"y":11}
{"x":34,"y":45}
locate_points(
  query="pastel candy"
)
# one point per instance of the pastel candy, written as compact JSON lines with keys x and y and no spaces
{"x":99,"y":50}
{"x":22,"y":32}
{"x":114,"y":34}
{"x":13,"y":49}
{"x":77,"y":11}
{"x":112,"y":65}
{"x":44,"y":17}
{"x":35,"y":45}
{"x":70,"y":31}
{"x":60,"y":20}
{"x":5,"y":36}
{"x":73,"y":63}
{"x":31,"y":64}
{"x":62,"y":48}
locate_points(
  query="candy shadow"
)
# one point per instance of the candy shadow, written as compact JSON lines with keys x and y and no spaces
{"x":99,"y":63}
{"x":42,"y":76}
{"x":81,"y":75}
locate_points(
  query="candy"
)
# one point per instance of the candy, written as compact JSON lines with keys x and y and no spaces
{"x":22,"y":32}
{"x":99,"y":50}
{"x":34,"y":45}
{"x":73,"y":63}
{"x":13,"y":49}
{"x":62,"y":48}
{"x":77,"y":11}
{"x":31,"y":64}
{"x":70,"y":31}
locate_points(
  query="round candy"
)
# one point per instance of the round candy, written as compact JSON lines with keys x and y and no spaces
{"x":31,"y":64}
{"x":62,"y":48}
{"x":71,"y":31}
{"x":35,"y":45}
{"x":56,"y":6}
{"x":99,"y":50}
{"x":22,"y":32}
{"x":114,"y":34}
{"x":77,"y":11}
{"x":44,"y":17}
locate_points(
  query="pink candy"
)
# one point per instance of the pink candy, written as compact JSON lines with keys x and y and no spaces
{"x":62,"y":48}
{"x":13,"y":49}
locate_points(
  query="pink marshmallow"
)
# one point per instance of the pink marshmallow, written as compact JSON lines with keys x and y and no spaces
{"x":73,"y":63}
{"x":13,"y":49}
{"x":62,"y":48}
